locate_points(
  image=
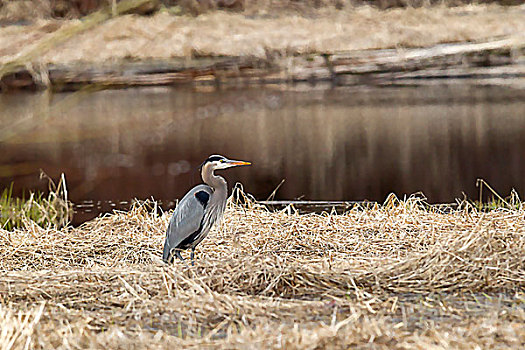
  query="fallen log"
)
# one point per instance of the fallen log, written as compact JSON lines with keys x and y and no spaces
{"x":496,"y":62}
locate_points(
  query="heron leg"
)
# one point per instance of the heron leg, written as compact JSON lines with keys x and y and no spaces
{"x":177,"y":254}
{"x":192,"y":256}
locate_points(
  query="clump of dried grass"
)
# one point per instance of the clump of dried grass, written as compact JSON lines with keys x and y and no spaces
{"x":53,"y":209}
{"x":401,"y":275}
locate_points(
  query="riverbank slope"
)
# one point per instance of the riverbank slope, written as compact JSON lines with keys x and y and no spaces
{"x":349,"y":46}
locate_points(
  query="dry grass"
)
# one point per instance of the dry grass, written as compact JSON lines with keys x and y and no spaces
{"x":22,"y":11}
{"x":165,"y":36}
{"x":396,"y":276}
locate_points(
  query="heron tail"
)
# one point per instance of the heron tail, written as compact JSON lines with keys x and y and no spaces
{"x":167,"y":255}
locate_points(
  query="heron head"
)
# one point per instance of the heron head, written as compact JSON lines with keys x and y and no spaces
{"x":217,"y":162}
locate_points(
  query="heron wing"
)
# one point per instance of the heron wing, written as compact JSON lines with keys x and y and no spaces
{"x":186,"y":220}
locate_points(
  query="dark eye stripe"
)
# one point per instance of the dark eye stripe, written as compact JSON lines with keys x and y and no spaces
{"x":215,"y":159}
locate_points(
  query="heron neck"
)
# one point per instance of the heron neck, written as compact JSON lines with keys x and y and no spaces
{"x":218,"y":183}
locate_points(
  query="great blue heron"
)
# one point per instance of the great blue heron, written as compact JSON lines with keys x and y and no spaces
{"x":198,"y":210}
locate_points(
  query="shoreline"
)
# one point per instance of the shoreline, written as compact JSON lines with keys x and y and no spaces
{"x":495,"y":63}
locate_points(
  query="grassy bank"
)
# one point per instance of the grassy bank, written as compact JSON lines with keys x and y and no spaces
{"x":398,"y":276}
{"x":165,"y":36}
{"x":346,"y":47}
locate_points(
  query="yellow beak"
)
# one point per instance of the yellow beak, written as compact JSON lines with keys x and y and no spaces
{"x":239,"y":162}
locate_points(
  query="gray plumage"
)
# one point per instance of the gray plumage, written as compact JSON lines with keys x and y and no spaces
{"x":198,"y":210}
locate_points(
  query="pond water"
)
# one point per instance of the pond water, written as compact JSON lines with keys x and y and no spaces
{"x":327,"y":144}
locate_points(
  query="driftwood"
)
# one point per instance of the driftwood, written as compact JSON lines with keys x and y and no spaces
{"x":339,"y":206}
{"x":496,"y":62}
{"x":88,"y":210}
{"x":316,"y":206}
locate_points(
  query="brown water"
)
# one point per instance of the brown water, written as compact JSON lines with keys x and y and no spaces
{"x":336,"y":144}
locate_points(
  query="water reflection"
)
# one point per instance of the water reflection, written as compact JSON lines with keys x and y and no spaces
{"x":327,"y":144}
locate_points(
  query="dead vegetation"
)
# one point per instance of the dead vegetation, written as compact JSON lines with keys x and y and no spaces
{"x":20,"y":11}
{"x":344,"y":47}
{"x":396,"y":276}
{"x":164,"y":36}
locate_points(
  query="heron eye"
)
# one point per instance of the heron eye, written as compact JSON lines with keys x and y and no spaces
{"x":222,"y":160}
